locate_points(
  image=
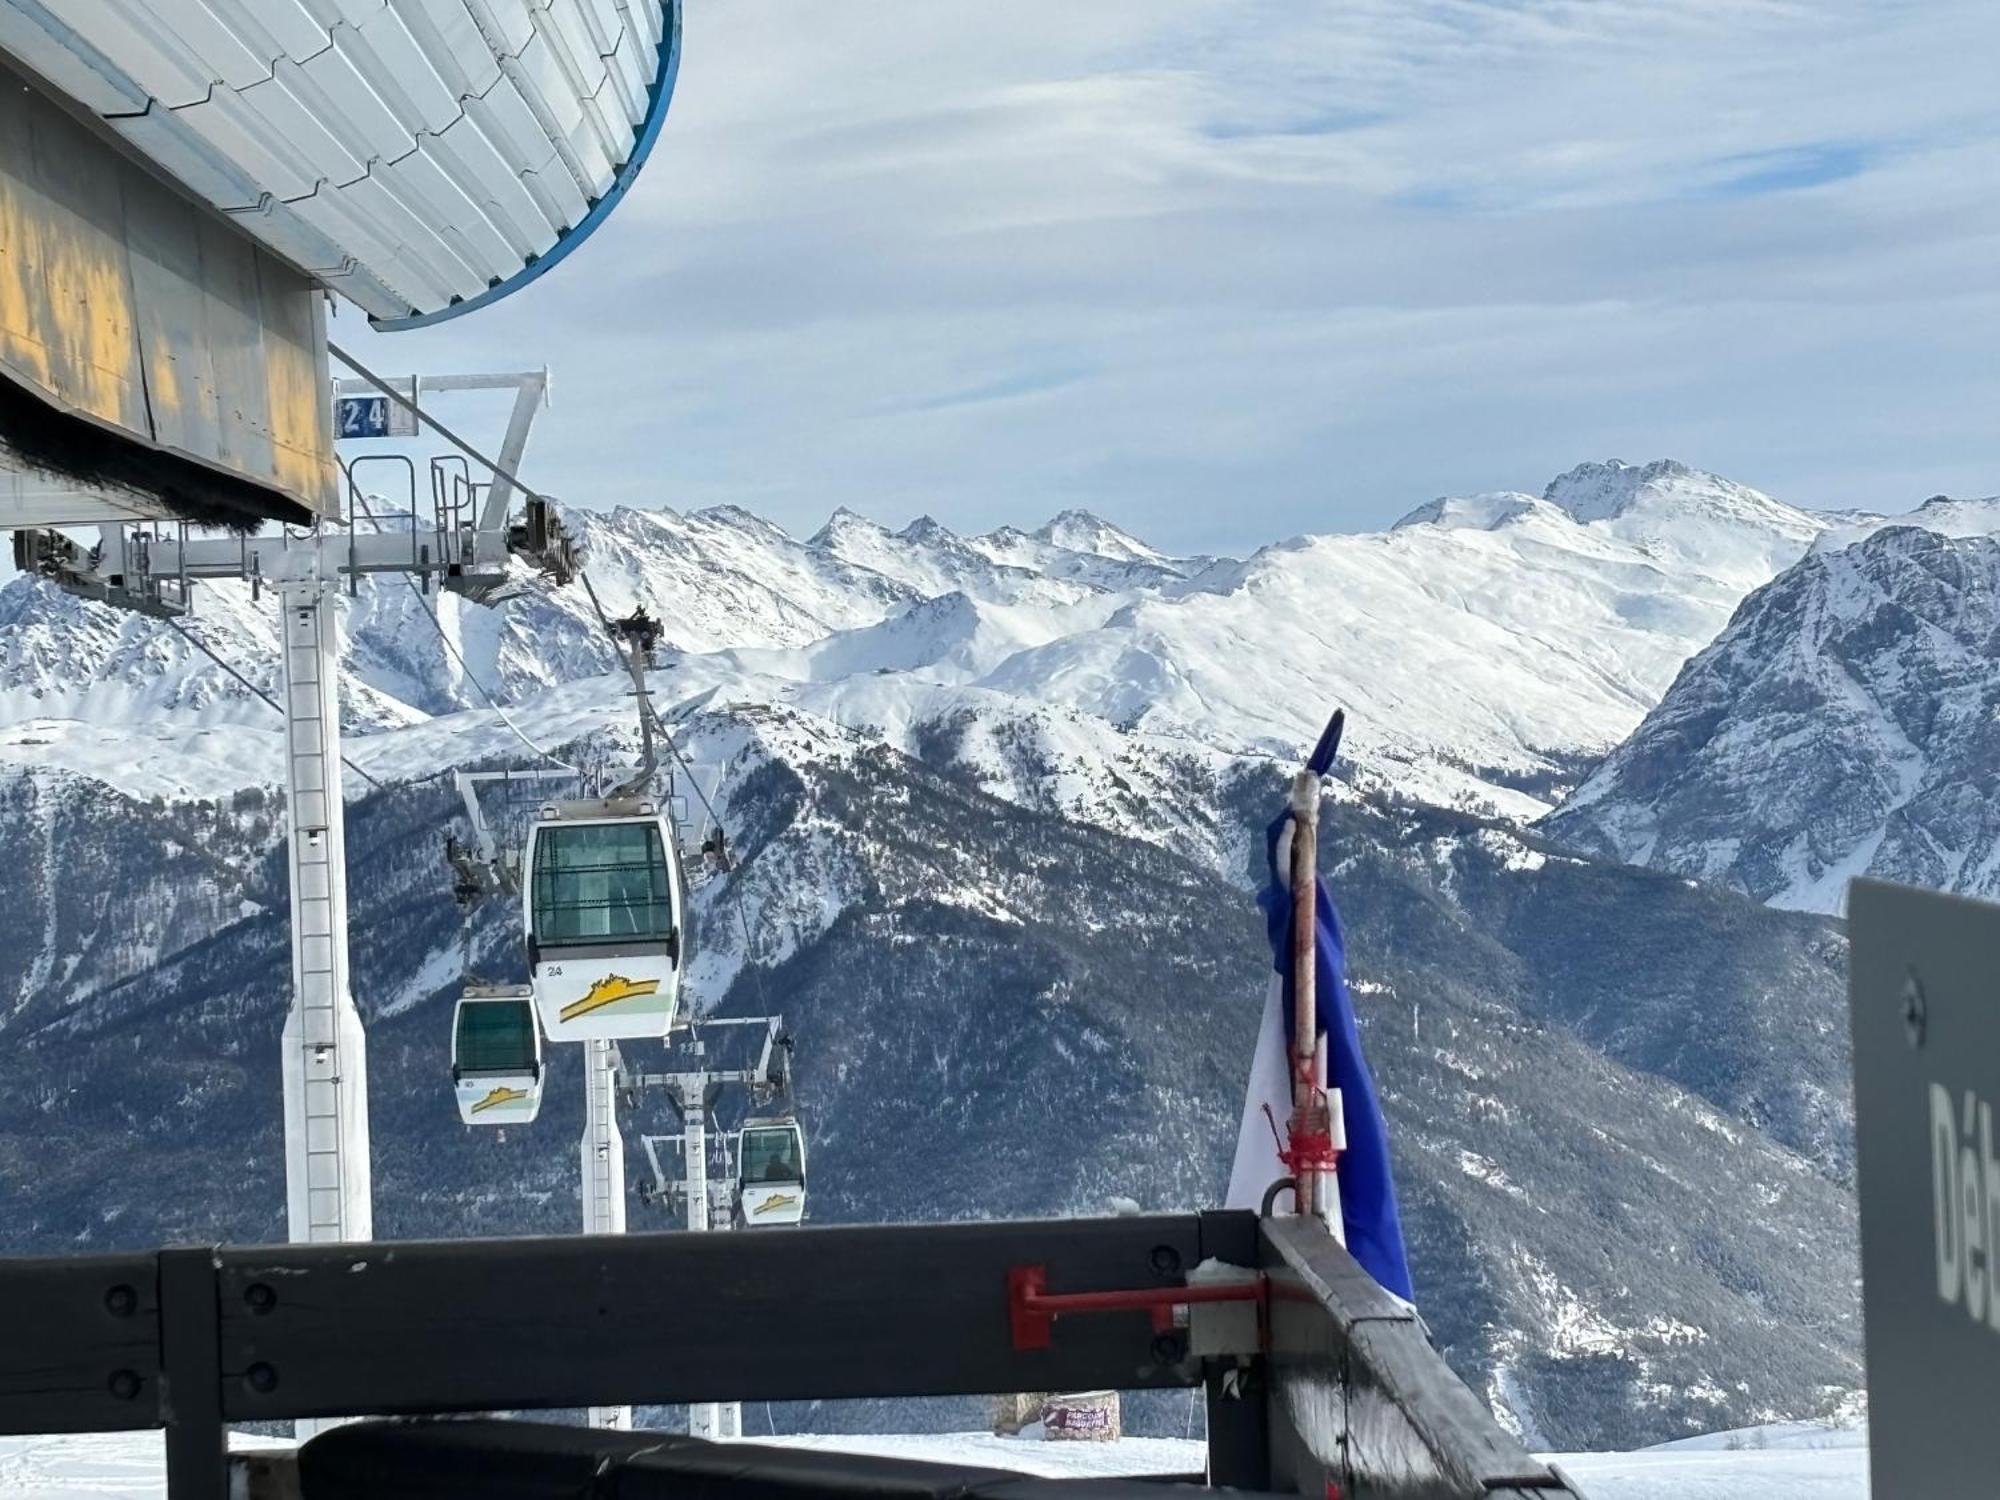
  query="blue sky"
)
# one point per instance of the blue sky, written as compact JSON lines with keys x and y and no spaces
{"x":1225,"y":273}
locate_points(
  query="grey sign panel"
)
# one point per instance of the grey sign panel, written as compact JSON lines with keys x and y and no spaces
{"x":1925,"y":1001}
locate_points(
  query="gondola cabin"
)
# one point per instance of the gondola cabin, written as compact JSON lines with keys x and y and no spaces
{"x":771,"y":1172}
{"x":605,"y":902}
{"x":496,"y":1055}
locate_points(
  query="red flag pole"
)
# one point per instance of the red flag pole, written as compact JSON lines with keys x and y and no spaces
{"x":1313,"y":1149}
{"x":1305,"y":936}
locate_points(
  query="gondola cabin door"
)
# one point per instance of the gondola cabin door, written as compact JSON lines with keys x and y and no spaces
{"x":771,"y":1162}
{"x":606,"y":913}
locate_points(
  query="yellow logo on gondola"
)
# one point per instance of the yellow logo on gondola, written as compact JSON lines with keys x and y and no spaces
{"x":776,"y":1201}
{"x":501,"y":1095}
{"x":608,"y":991}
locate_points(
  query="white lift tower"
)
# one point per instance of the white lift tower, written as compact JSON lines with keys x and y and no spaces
{"x":603,"y":1155}
{"x":467,"y":548}
{"x":693,"y":1091}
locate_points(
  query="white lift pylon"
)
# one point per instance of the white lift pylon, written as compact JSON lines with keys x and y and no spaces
{"x":706,"y":1419}
{"x":603,"y":1160}
{"x":709,"y":1419}
{"x":327,"y":1181}
{"x":693,"y":1092}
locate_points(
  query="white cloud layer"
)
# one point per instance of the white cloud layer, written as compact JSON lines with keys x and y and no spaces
{"x":1223,"y":272}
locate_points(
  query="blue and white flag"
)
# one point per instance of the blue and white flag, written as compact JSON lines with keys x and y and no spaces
{"x":1373,"y":1225}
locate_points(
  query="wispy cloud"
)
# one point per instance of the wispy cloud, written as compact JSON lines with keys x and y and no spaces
{"x":1314,"y":122}
{"x":1010,"y":387}
{"x":1790,"y":169}
{"x":1225,"y":272}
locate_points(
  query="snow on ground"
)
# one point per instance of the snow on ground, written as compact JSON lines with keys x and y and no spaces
{"x":1790,"y":1461}
{"x":132,"y":1465}
{"x":1126,"y":1457}
{"x":94,"y":1465}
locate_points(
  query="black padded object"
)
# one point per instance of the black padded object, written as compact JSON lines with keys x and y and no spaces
{"x":1166,"y":1487}
{"x":749,"y":1471}
{"x":486,"y":1459}
{"x":483,"y":1457}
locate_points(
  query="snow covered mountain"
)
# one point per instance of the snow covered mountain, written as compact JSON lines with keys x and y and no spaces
{"x":1486,"y":648}
{"x":1847,"y":722}
{"x":1940,"y":513}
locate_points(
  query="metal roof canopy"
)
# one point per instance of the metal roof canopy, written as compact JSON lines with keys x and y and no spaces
{"x":421,"y":157}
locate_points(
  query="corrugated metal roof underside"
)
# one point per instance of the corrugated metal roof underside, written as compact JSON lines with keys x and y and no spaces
{"x":417,"y":156}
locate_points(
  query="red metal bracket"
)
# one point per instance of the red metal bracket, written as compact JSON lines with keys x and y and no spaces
{"x":1031,"y":1330}
{"x":1032,"y":1309}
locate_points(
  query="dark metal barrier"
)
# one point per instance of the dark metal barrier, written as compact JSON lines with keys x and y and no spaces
{"x":1348,"y":1398}
{"x":665,"y":1318}
{"x":79,"y":1344}
{"x":1360,"y":1400}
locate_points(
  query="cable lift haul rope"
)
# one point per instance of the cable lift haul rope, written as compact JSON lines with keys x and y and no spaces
{"x":607,"y":923}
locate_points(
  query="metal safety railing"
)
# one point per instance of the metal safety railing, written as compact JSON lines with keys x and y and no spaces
{"x":1317,"y":1383}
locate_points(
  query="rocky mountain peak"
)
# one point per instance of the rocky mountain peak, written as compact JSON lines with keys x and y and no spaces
{"x":928,"y":529}
{"x":1471,"y":512}
{"x":844,"y":522}
{"x":1727,"y":531}
{"x":1081,"y":531}
{"x":1601,"y":491}
{"x":737,"y":516}
{"x":1940,"y":513}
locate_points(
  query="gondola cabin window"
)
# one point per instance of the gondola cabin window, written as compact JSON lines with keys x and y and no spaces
{"x":600,"y":883}
{"x":497,"y":1038}
{"x":771,"y":1156}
